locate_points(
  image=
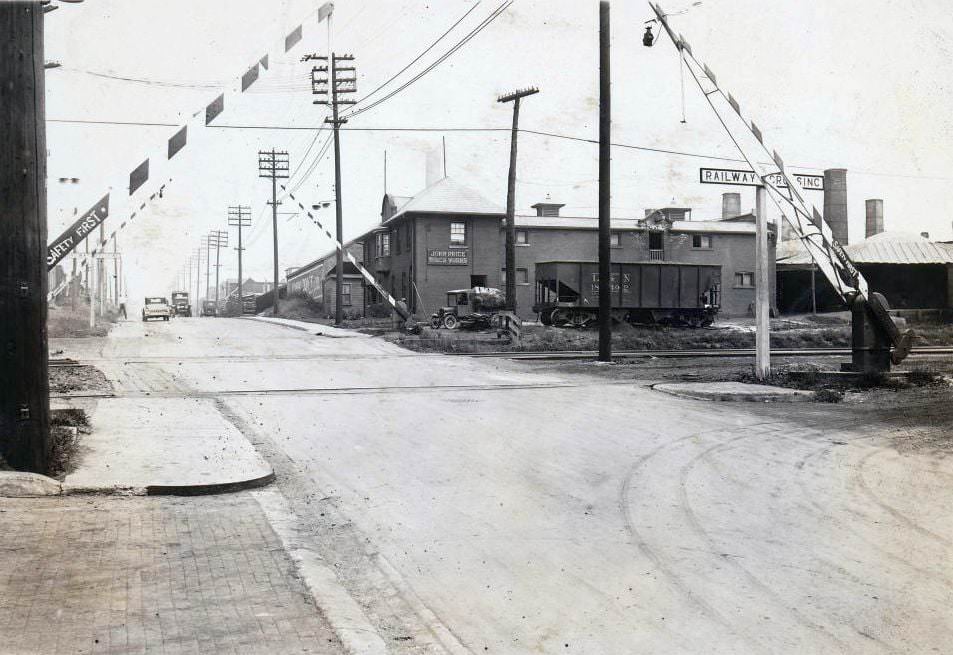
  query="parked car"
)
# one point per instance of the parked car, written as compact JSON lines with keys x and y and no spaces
{"x":209,"y":308}
{"x":156,"y":307}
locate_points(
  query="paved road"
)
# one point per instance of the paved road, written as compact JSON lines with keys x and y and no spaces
{"x":529,"y":512}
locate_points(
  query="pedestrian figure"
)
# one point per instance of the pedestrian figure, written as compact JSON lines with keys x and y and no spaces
{"x":122,"y":306}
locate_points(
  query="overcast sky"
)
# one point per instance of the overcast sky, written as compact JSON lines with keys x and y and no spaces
{"x":858,"y":84}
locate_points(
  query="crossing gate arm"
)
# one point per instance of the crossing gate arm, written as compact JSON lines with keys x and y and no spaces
{"x":807,"y":222}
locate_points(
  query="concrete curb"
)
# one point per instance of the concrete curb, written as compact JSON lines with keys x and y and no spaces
{"x":344,"y":614}
{"x":21,"y":484}
{"x":734,"y":392}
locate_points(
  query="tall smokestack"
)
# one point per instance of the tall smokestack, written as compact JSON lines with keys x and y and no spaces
{"x":730,"y":205}
{"x":875,"y":217}
{"x":835,"y":202}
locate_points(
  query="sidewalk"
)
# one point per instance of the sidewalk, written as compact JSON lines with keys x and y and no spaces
{"x":151,"y":575}
{"x":164,"y":445}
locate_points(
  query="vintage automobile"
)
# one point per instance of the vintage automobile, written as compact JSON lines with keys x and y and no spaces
{"x":470,"y":309}
{"x":180,"y":303}
{"x":209,"y":308}
{"x":156,"y":307}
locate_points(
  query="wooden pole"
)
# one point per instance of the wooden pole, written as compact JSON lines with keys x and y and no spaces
{"x":24,"y":381}
{"x":762,"y":307}
{"x":605,"y":125}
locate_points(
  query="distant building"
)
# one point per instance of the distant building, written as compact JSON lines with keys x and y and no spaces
{"x":911,"y":271}
{"x":249,"y":286}
{"x":318,"y":279}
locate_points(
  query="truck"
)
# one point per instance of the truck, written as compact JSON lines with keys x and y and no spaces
{"x":660,"y":293}
{"x":180,"y":303}
{"x":156,"y":307}
{"x":209,"y":308}
{"x":471,"y":309}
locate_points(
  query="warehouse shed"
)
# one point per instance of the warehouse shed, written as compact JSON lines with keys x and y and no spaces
{"x":911,"y":271}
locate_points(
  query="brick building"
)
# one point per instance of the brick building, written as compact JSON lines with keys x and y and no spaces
{"x":450,"y":237}
{"x":318,"y":279}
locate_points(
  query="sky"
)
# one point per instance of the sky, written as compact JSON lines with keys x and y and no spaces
{"x":856,"y":84}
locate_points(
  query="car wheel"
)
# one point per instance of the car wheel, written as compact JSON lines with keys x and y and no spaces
{"x":435,"y":322}
{"x":450,"y":322}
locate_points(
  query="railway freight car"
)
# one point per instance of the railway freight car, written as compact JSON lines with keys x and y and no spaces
{"x":665,"y":293}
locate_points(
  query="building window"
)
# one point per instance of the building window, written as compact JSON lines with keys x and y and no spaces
{"x":383,"y":244}
{"x":615,"y":240}
{"x":744,"y":280}
{"x":522,"y":238}
{"x":701,"y":241}
{"x":346,"y":294}
{"x":522,"y":276}
{"x":655,"y":241}
{"x":458,"y":233}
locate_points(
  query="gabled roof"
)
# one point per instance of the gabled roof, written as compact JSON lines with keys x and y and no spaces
{"x":447,"y":196}
{"x":883,"y":248}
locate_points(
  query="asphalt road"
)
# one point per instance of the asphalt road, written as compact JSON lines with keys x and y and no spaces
{"x":530,"y":512}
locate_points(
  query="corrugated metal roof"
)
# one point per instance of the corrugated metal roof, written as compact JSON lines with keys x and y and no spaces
{"x":883,"y":248}
{"x":591,"y":223}
{"x":447,"y":196}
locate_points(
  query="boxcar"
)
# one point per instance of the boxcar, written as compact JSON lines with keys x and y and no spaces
{"x":665,"y":293}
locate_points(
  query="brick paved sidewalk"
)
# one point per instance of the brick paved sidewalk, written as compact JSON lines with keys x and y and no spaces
{"x":150,"y":575}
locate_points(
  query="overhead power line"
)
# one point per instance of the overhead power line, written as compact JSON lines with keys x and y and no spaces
{"x":479,"y":28}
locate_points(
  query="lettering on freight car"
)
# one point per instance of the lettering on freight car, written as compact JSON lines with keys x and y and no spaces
{"x":613,"y":282}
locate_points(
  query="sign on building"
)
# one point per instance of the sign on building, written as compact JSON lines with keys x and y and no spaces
{"x":456,"y":257}
{"x":750,"y":178}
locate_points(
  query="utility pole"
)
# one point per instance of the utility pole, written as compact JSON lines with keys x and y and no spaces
{"x":511,"y":197}
{"x":762,"y":310}
{"x":339,"y":86}
{"x":198,"y":279}
{"x":605,"y":127}
{"x":207,"y":243}
{"x":218,"y":238}
{"x":24,"y":381}
{"x":239,"y":216}
{"x":274,"y":165}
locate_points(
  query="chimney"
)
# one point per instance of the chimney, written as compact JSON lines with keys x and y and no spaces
{"x":925,"y":235}
{"x":835,"y":202}
{"x":730,"y":205}
{"x":875,"y":217}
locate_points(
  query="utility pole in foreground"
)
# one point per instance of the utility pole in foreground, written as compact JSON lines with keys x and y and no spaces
{"x":24,"y":381}
{"x":605,"y":125}
{"x":339,"y":85}
{"x":274,"y":164}
{"x":239,"y":216}
{"x":511,"y":197}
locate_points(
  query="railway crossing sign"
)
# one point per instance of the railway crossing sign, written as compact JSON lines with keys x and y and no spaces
{"x":750,"y":178}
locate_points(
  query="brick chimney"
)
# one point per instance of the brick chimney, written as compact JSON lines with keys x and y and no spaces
{"x":835,"y":202}
{"x":875,"y":217}
{"x":730,"y":205}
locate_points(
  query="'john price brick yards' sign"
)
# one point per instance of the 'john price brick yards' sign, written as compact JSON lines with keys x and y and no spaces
{"x":448,"y":257}
{"x":750,"y":178}
{"x":78,"y":231}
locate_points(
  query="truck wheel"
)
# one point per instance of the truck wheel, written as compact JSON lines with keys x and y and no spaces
{"x":435,"y":322}
{"x":165,"y":318}
{"x":450,"y":322}
{"x":559,"y":317}
{"x":545,"y":318}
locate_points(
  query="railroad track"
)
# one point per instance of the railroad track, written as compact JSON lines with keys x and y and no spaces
{"x":689,"y":354}
{"x":518,"y":355}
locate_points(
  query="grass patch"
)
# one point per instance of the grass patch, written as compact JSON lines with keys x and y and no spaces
{"x":66,"y":428}
{"x":64,"y":322}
